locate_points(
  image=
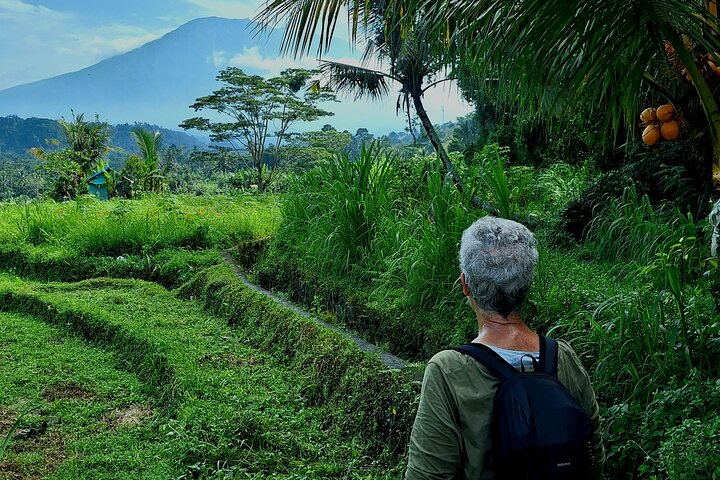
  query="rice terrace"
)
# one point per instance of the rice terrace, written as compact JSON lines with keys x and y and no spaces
{"x":248,"y":289}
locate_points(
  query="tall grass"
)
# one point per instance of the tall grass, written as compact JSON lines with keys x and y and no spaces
{"x":494,"y":178}
{"x":631,"y":228}
{"x":348,"y":224}
{"x":120,"y":227}
{"x":425,"y":266}
{"x":358,"y":202}
{"x":336,"y":215}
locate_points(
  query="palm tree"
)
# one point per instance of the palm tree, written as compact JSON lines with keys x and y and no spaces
{"x":89,"y":139}
{"x":411,"y":64}
{"x":149,"y":145}
{"x":544,"y":55}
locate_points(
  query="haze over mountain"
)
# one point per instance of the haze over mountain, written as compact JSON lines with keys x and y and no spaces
{"x":155,"y":83}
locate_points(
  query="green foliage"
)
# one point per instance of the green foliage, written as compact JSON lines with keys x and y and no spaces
{"x":425,"y":264}
{"x":338,"y":374}
{"x":222,"y":159}
{"x":670,"y":173}
{"x":495,"y":179}
{"x":144,"y":172}
{"x":69,"y":395}
{"x":674,"y":436}
{"x":312,"y":149}
{"x":224,"y":406}
{"x":242,"y":179}
{"x":345,"y":205}
{"x":88,"y":227}
{"x":692,"y":450}
{"x":355,"y":228}
{"x":19,"y":178}
{"x":88,"y":139}
{"x":69,"y":168}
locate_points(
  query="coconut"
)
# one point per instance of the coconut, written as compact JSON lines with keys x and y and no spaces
{"x":670,"y":130}
{"x":651,"y":135}
{"x":648,"y":116}
{"x":665,"y":113}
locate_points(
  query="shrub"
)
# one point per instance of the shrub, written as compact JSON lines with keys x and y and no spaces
{"x":692,"y":450}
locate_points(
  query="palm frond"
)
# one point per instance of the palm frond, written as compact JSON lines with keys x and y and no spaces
{"x":540,"y":54}
{"x":360,"y":81}
{"x":149,"y":145}
{"x":537,"y":51}
{"x":311,"y":22}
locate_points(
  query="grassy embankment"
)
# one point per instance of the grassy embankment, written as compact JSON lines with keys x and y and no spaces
{"x":209,"y":399}
{"x":146,"y":238}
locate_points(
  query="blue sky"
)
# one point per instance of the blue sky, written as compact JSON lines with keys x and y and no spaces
{"x":44,"y":38}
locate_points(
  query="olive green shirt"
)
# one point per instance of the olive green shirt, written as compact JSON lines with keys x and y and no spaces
{"x":451,"y":434}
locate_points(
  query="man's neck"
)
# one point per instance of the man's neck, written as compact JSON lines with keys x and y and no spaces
{"x":509,"y":332}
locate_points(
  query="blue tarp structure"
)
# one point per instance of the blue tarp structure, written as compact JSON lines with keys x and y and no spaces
{"x":97,"y":183}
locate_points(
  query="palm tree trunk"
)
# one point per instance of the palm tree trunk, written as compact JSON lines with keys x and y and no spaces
{"x":444,"y":157}
{"x":435,"y":140}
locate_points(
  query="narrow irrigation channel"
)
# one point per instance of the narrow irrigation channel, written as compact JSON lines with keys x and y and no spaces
{"x":387,"y":358}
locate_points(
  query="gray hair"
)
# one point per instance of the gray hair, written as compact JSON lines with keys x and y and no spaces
{"x":498,"y":258}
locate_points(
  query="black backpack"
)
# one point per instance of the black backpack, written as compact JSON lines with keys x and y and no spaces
{"x":539,"y":431}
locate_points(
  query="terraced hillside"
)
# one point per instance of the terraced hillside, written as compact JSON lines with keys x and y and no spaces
{"x":122,"y":379}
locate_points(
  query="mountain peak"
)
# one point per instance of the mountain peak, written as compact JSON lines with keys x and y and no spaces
{"x":153,"y":83}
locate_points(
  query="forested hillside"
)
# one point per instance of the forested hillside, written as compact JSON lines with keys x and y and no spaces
{"x":18,"y":135}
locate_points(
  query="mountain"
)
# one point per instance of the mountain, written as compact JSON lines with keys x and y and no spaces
{"x":154,"y":83}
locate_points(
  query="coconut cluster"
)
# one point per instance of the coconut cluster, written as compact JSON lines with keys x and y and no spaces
{"x":707,"y":64}
{"x":660,"y":124}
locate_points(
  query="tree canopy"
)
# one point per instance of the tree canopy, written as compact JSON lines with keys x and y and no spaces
{"x":261,"y":112}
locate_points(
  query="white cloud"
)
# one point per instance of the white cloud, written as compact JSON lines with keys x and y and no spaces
{"x":96,"y":43}
{"x":228,"y":8}
{"x":39,"y":42}
{"x":252,"y":58}
{"x":14,"y":9}
{"x":218,"y":59}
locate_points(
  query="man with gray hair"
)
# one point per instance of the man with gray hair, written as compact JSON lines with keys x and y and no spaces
{"x":451,"y":436}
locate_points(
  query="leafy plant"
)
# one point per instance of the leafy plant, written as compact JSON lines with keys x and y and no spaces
{"x":631,"y":228}
{"x":488,"y":167}
{"x":13,"y":428}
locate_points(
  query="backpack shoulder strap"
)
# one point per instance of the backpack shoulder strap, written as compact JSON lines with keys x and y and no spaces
{"x":548,"y":356}
{"x":486,"y":356}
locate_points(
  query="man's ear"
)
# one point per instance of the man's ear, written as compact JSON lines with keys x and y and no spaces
{"x":466,"y":289}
